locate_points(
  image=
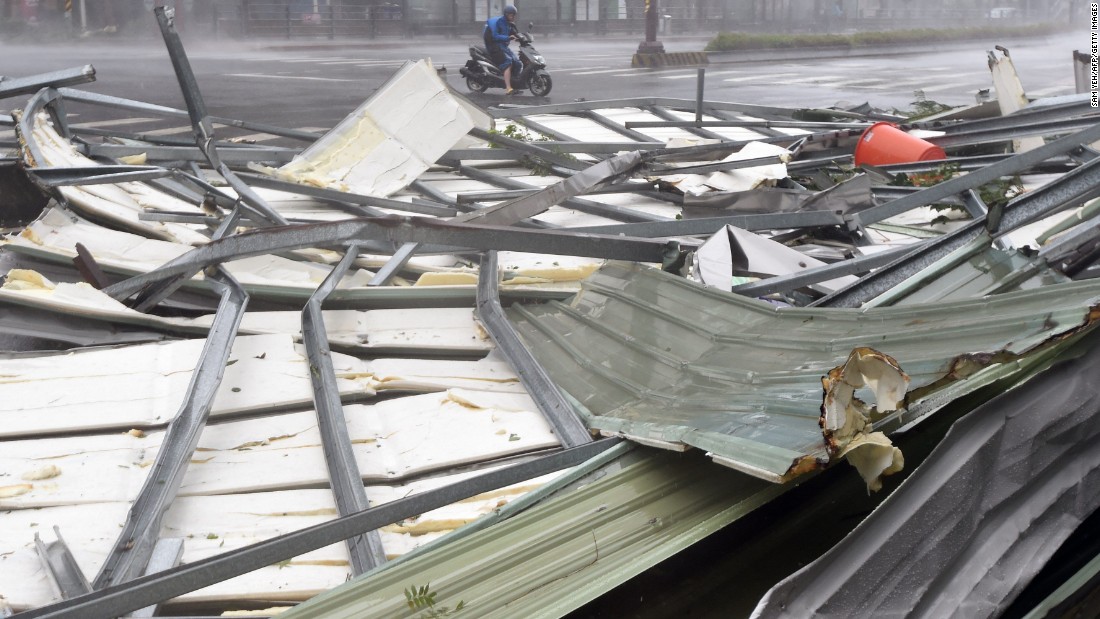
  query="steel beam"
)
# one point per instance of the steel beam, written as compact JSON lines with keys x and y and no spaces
{"x":134,"y":547}
{"x":231,"y":155}
{"x":1072,"y":188}
{"x":557,"y":411}
{"x":362,"y":203}
{"x":399,"y":230}
{"x":710,"y":225}
{"x":591,"y":207}
{"x":19,"y":86}
{"x":365,"y":550}
{"x":96,"y":175}
{"x":170,"y":112}
{"x":61,"y":566}
{"x":201,"y":122}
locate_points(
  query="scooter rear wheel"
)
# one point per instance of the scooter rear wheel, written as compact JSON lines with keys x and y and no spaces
{"x":475,"y":85}
{"x":540,"y":83}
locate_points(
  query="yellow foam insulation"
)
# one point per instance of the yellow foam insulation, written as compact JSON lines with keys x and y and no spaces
{"x":25,"y":279}
{"x":845,"y":419}
{"x":446,"y":279}
{"x":267,"y":612}
{"x":46,"y":472}
{"x":560,"y":274}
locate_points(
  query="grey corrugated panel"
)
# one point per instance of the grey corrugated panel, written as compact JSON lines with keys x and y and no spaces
{"x":971,"y":272}
{"x":559,"y":555}
{"x":970,"y":528}
{"x":656,"y":356}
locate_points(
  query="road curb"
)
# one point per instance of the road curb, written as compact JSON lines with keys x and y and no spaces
{"x":669,"y":59}
{"x":781,"y":54}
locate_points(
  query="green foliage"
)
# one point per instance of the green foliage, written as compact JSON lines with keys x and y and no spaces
{"x":1000,"y":191}
{"x":924,"y":107}
{"x":733,"y":41}
{"x":423,"y":599}
{"x":533,"y":163}
{"x":515,"y":132}
{"x":993,"y":194}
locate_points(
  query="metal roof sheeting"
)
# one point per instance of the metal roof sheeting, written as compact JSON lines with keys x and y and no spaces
{"x":657,"y":357}
{"x":970,"y":528}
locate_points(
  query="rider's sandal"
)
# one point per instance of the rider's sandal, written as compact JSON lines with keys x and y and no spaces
{"x":509,"y":91}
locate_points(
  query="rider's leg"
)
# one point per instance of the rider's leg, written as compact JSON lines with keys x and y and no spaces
{"x":507,"y":72}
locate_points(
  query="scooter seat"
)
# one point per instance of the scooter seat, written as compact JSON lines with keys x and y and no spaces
{"x":481,"y":52}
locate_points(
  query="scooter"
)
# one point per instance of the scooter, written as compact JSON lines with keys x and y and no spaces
{"x":481,"y":72}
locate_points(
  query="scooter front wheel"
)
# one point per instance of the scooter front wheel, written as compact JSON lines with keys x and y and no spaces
{"x":540,"y":84}
{"x":475,"y":84}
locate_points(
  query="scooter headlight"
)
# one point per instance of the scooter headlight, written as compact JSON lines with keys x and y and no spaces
{"x":538,"y":58}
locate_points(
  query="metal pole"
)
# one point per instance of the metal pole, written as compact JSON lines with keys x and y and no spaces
{"x":699,"y":95}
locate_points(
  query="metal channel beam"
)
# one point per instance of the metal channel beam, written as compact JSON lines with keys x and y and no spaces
{"x":622,"y":130}
{"x":25,"y":126}
{"x":359,"y":200}
{"x":365,"y":550}
{"x":640,"y":102}
{"x":710,"y":225}
{"x":201,"y":123}
{"x":539,"y":202}
{"x":528,"y":148}
{"x":987,"y":136}
{"x":717,"y":167}
{"x":1081,"y":106}
{"x":121,"y":599}
{"x":134,"y":546}
{"x":468,"y":206}
{"x":61,"y":566}
{"x":1081,"y":184}
{"x":853,"y":266}
{"x":153,"y":295}
{"x":97,"y":175}
{"x":400,"y":230}
{"x":743,"y":124}
{"x":977,"y":178}
{"x":567,"y":425}
{"x":171,"y":112}
{"x":524,"y":207}
{"x":166,"y":555}
{"x":20,"y":86}
{"x":400,"y":258}
{"x":668,"y":116}
{"x":591,"y":207}
{"x":588,"y":148}
{"x":234,"y":155}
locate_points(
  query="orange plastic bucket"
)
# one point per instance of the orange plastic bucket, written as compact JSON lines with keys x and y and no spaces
{"x":883,"y":143}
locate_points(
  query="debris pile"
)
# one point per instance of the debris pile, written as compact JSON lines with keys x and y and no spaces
{"x":275,"y":368}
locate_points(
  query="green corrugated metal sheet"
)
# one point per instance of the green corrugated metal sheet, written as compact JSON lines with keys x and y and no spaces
{"x":566,"y":552}
{"x":658,"y":357}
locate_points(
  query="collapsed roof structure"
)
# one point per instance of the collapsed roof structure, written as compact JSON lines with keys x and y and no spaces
{"x":462,"y":349}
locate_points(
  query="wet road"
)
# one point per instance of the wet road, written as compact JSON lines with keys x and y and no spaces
{"x":313,"y":84}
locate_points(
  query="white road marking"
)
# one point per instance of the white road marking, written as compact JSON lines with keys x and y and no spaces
{"x":292,"y":77}
{"x":769,"y":78}
{"x":709,"y":74}
{"x":619,"y":70}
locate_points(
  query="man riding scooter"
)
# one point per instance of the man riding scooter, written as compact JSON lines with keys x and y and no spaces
{"x":499,"y":32}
